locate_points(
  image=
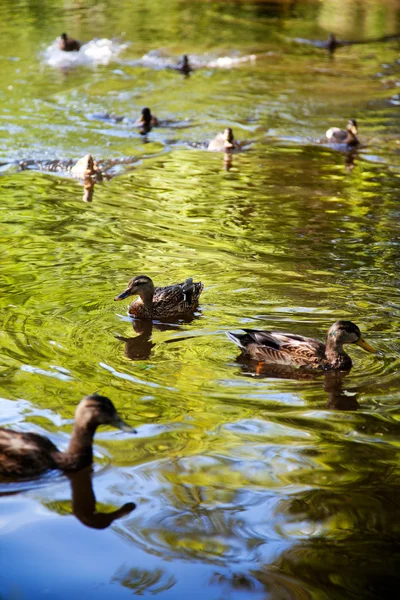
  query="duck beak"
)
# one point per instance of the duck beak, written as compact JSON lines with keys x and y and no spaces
{"x":363,"y":344}
{"x":120,"y":424}
{"x":123,"y":295}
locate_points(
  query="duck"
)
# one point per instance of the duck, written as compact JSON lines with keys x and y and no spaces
{"x":179,"y":300}
{"x":297,"y":350}
{"x":184,"y":65}
{"x":223,"y":141}
{"x":68,"y":44}
{"x":348,"y":136}
{"x":84,"y":502}
{"x":26,"y":455}
{"x":86,"y":167}
{"x":146,"y":121}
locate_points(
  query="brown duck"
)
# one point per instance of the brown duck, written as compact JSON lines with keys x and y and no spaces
{"x":334,"y":135}
{"x":223,"y":141}
{"x":68,"y":44}
{"x":296,"y":350}
{"x":179,"y":300}
{"x":31,"y":454}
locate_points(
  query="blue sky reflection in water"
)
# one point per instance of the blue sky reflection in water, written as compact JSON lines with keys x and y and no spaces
{"x":245,"y":486}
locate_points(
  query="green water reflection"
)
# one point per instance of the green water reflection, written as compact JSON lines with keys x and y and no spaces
{"x":245,"y":485}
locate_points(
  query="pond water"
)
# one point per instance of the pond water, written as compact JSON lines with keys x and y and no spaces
{"x":245,"y":486}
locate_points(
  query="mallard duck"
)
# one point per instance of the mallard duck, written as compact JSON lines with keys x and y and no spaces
{"x":223,"y":141}
{"x":177,"y":300}
{"x":30,"y":454}
{"x":146,"y":121}
{"x":349,"y":137}
{"x":68,"y":44}
{"x":296,"y":350}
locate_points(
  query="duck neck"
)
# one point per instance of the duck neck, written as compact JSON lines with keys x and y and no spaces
{"x":352,"y":139}
{"x":146,"y":297}
{"x":336,"y":357}
{"x":80,"y":450}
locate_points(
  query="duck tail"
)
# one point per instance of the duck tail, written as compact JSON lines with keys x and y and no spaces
{"x":236,"y":338}
{"x":188,"y":290}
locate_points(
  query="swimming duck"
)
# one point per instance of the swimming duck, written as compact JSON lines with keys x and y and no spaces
{"x":68,"y":44}
{"x":87,"y":167}
{"x":30,"y":454}
{"x":296,"y":350}
{"x":177,"y":300}
{"x":146,"y":121}
{"x":184,"y":65}
{"x":223,"y":141}
{"x":349,"y":137}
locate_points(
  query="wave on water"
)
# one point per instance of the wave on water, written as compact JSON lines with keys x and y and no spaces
{"x":155,"y":59}
{"x":99,"y":51}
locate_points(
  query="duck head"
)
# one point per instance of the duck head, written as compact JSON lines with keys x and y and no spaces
{"x":346,"y":332}
{"x":140,"y":285}
{"x":229,"y":139}
{"x":95,"y":410}
{"x":146,"y":116}
{"x":352,"y":126}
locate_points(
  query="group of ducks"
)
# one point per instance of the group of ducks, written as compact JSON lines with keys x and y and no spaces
{"x":26,"y":455}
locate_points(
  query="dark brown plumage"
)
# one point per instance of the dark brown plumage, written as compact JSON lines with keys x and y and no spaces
{"x":29,"y":454}
{"x":146,"y":121}
{"x":179,"y":300}
{"x":68,"y":44}
{"x":296,"y":350}
{"x":184,"y":65}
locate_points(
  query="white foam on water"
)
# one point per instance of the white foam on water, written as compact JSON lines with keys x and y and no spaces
{"x":227,"y":62}
{"x":156,"y":59}
{"x":96,"y":52}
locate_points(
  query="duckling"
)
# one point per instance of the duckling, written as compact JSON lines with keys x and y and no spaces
{"x":349,"y":137}
{"x":146,"y":121}
{"x":68,"y":44}
{"x":30,"y":454}
{"x":179,"y":300}
{"x":223,"y":141}
{"x":296,"y":350}
{"x":184,"y":65}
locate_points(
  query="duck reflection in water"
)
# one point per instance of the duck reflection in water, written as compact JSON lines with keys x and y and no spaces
{"x":349,"y":159}
{"x":338,"y":398}
{"x":140,"y":346}
{"x":84,"y":502}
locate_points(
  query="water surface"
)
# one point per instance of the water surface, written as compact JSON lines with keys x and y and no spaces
{"x":245,"y":486}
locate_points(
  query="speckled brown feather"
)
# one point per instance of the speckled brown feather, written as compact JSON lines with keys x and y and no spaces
{"x":287,"y":349}
{"x":169,"y":301}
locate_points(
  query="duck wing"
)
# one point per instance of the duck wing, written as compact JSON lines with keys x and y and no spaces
{"x":334,"y":134}
{"x":283,"y":348}
{"x":175,"y":299}
{"x":25,"y":454}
